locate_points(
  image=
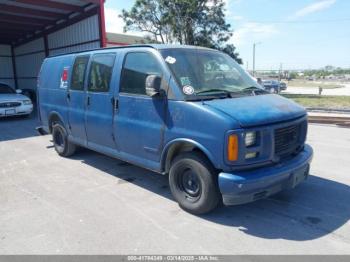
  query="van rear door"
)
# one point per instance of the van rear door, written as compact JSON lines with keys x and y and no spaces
{"x":99,"y":101}
{"x":76,"y":97}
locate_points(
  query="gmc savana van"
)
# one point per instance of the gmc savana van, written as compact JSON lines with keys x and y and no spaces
{"x":192,"y":113}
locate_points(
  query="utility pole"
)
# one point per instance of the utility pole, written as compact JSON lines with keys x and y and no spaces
{"x":281,"y":72}
{"x":254,"y":56}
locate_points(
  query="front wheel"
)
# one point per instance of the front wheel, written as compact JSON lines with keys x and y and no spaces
{"x":193,"y":183}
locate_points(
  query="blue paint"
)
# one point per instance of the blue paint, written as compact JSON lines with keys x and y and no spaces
{"x":245,"y":186}
{"x":269,"y":109}
{"x":142,"y":130}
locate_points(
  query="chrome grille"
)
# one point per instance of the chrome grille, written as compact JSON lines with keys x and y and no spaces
{"x":9,"y":104}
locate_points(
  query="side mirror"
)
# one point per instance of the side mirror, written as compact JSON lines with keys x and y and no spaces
{"x":152,"y":85}
{"x":19,"y":91}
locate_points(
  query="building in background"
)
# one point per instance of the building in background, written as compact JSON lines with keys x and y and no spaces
{"x":32,"y":30}
{"x":114,"y":39}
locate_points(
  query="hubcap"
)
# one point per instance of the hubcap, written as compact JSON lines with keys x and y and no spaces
{"x":190,"y":183}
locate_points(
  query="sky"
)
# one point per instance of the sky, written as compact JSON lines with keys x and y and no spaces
{"x":294,"y":34}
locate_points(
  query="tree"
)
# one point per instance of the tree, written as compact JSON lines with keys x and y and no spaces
{"x":147,"y":16}
{"x":191,"y":22}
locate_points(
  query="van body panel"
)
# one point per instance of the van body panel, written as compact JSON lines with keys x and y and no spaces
{"x":77,"y":105}
{"x":76,"y":114}
{"x":140,"y":120}
{"x":99,"y":112}
{"x":185,"y":120}
{"x":52,"y":89}
{"x":140,"y":126}
{"x":112,"y":152}
{"x":270,"y":109}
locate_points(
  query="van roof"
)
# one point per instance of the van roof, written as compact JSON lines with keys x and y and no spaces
{"x":155,"y":46}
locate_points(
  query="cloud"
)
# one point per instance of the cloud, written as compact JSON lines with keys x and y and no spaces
{"x":315,"y":7}
{"x":237,"y":18}
{"x":253,"y":31}
{"x":115,"y":24}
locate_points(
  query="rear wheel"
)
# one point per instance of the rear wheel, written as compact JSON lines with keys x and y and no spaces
{"x":193,"y":183}
{"x":60,"y":140}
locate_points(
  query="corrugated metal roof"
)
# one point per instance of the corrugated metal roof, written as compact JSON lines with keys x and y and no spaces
{"x":24,"y":19}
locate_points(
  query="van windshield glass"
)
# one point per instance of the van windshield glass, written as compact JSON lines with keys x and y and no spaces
{"x":205,"y":72}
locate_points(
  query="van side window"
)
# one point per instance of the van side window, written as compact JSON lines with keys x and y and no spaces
{"x":78,"y":74}
{"x":137,"y":67}
{"x":101,"y":72}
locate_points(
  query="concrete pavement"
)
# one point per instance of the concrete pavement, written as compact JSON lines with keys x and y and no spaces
{"x":93,"y":204}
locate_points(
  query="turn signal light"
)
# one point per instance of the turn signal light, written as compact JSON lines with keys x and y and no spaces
{"x":232,"y":148}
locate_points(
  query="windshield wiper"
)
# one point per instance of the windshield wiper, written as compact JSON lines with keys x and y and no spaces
{"x":255,"y":90}
{"x":218,"y":91}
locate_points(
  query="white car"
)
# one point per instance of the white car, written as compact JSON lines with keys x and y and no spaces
{"x":12,"y":103}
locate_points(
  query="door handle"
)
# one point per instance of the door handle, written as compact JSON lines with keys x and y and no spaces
{"x":115,"y":103}
{"x":88,"y":101}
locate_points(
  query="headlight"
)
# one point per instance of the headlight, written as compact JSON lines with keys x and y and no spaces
{"x":27,"y":102}
{"x":250,"y":139}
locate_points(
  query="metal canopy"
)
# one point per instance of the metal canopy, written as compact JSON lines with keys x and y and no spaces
{"x":24,"y":20}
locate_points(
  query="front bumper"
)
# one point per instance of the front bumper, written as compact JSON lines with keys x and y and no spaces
{"x":246,"y":186}
{"x":16,"y":111}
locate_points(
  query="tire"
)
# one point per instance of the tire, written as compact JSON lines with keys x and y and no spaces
{"x":60,"y":140}
{"x":272,"y":90}
{"x":193,"y":183}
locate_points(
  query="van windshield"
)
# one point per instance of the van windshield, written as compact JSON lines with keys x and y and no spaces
{"x":205,"y":72}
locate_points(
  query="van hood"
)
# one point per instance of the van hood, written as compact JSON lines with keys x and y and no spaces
{"x":258,"y":110}
{"x":12,"y":97}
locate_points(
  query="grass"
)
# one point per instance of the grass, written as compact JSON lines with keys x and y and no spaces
{"x":314,"y":84}
{"x":316,"y":101}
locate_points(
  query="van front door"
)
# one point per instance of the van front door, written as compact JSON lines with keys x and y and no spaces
{"x":99,"y":98}
{"x":76,"y":99}
{"x":139,"y":118}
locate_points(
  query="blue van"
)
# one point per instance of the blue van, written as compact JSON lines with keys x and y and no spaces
{"x":188,"y":112}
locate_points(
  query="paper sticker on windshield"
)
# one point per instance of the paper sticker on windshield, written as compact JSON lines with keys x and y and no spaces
{"x":170,"y":60}
{"x":185,"y":81}
{"x":188,"y":90}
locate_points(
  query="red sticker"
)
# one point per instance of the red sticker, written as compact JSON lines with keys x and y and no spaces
{"x":64,"y":78}
{"x":65,"y":74}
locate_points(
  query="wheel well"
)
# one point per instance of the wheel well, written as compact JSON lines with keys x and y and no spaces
{"x":54,"y":118}
{"x":176,"y":150}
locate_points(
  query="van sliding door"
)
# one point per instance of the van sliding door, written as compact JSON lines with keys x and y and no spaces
{"x":99,"y":106}
{"x":76,"y":99}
